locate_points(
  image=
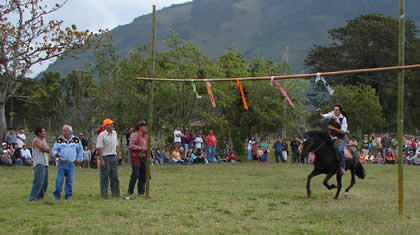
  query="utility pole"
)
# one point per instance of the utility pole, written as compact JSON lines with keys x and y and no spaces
{"x":150,"y":111}
{"x":400,"y":113}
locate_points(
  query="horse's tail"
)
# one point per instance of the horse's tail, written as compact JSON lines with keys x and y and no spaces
{"x":359,"y":170}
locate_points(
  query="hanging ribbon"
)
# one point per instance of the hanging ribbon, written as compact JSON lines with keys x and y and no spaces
{"x":283,"y":92}
{"x":322,"y":79}
{"x":195,"y":90}
{"x":241,"y":89}
{"x":211,"y":96}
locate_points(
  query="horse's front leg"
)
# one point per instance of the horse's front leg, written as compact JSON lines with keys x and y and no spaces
{"x":325,"y":182}
{"x":308,"y":182}
{"x":338,"y":186}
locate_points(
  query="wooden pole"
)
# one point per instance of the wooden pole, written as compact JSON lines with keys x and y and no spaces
{"x":400,"y":113}
{"x":150,"y":111}
{"x":283,"y":77}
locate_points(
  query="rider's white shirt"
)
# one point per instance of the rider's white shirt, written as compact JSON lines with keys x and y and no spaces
{"x":343,"y":123}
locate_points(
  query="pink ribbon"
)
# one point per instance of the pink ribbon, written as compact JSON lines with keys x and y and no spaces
{"x":283,"y":92}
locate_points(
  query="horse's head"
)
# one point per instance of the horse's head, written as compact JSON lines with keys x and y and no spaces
{"x":313,"y":141}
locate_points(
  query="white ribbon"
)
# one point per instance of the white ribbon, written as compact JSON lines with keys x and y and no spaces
{"x":322,"y":79}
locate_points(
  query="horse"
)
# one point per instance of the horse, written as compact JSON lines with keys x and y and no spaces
{"x":326,"y":161}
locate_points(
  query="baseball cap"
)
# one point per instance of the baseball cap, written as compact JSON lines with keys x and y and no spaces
{"x":4,"y":143}
{"x":142,"y":123}
{"x":81,"y":134}
{"x":5,"y":151}
{"x":107,"y":122}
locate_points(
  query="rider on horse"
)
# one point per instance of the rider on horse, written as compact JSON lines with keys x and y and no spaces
{"x":337,"y":129}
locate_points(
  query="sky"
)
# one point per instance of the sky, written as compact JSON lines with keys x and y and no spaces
{"x":102,"y":14}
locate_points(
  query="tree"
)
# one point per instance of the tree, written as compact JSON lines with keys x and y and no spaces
{"x":370,"y":41}
{"x":26,"y":39}
{"x":362,"y":106}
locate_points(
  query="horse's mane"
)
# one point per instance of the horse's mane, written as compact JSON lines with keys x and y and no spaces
{"x":323,"y":135}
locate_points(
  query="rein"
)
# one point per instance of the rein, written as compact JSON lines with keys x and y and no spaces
{"x":320,"y":146}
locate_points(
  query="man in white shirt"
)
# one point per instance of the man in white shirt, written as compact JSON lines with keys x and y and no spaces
{"x":20,"y":137}
{"x":198,"y":141}
{"x":26,"y":155}
{"x":177,"y":136}
{"x":107,"y":144}
{"x":340,"y":133}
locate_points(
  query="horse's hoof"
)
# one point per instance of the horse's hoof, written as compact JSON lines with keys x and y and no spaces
{"x":333,"y":186}
{"x":309,"y":194}
{"x":335,"y":198}
{"x":346,"y":194}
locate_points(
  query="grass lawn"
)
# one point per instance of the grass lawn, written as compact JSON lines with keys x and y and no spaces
{"x":220,"y":198}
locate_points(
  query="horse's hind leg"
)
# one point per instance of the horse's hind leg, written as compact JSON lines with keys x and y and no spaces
{"x":325,"y":182}
{"x":308,"y":182}
{"x":338,"y":186}
{"x":353,"y":181}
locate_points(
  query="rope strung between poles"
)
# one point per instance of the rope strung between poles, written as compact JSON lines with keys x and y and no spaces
{"x":283,"y":77}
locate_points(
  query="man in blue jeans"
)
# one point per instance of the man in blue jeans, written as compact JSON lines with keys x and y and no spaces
{"x":211,"y":142}
{"x":69,"y":151}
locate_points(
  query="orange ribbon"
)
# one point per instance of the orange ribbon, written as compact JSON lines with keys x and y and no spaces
{"x":241,"y":89}
{"x":211,"y":96}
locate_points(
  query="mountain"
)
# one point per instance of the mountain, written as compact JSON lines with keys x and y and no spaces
{"x":263,"y":28}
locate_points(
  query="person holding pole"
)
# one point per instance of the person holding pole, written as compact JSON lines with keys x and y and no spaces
{"x":138,"y":150}
{"x":107,"y":144}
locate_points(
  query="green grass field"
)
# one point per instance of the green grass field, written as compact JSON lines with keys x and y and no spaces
{"x":251,"y":198}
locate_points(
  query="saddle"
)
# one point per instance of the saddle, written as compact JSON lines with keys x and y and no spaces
{"x":348,"y":153}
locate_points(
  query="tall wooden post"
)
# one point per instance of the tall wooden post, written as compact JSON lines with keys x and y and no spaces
{"x":150,"y":111}
{"x":400,"y":115}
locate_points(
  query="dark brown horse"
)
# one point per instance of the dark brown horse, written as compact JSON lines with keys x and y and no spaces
{"x":326,"y":161}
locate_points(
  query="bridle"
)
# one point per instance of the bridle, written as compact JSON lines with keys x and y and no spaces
{"x":320,"y":146}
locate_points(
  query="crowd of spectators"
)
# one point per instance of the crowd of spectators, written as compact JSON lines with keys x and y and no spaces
{"x":381,"y":149}
{"x":195,"y":148}
{"x":191,"y":148}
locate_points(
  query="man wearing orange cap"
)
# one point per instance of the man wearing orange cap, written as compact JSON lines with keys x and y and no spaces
{"x":107,"y":144}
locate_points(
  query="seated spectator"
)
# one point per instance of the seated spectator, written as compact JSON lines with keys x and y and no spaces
{"x":260,"y":152}
{"x":3,"y":147}
{"x":187,"y":159}
{"x":198,"y":157}
{"x":165,"y":154}
{"x":159,"y":156}
{"x":254,"y":151}
{"x":87,"y":156}
{"x":379,"y":160}
{"x":26,"y":156}
{"x":17,"y":155}
{"x":416,"y":160}
{"x":370,"y":158}
{"x":5,"y":159}
{"x":410,"y":158}
{"x":232,"y":157}
{"x":176,"y":156}
{"x":362,"y":158}
{"x":390,"y":158}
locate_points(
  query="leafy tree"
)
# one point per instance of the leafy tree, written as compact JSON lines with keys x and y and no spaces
{"x":361,"y":104}
{"x":26,"y":39}
{"x":370,"y":41}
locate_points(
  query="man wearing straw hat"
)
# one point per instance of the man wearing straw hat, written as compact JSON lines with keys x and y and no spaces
{"x":107,"y":144}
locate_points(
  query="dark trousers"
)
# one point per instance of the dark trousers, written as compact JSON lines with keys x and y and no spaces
{"x":109,"y":176}
{"x":40,"y":184}
{"x":278,"y":155}
{"x":138,"y":173}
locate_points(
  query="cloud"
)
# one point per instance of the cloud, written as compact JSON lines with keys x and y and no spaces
{"x":103,"y":14}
